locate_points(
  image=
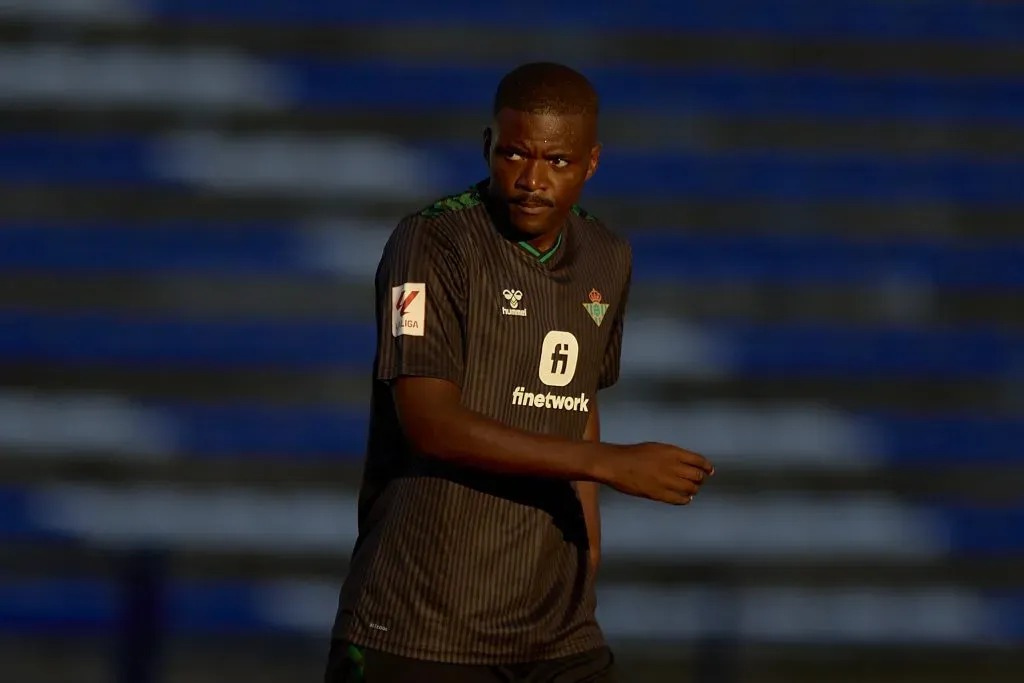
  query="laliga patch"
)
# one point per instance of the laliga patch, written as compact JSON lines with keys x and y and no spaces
{"x":408,"y":309}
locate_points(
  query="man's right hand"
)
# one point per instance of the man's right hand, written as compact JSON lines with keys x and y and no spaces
{"x":656,"y":471}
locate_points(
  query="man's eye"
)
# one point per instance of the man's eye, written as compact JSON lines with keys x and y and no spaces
{"x":514,"y":156}
{"x":560,"y":163}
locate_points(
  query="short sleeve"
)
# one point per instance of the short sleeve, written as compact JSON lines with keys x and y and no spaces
{"x":420,"y":305}
{"x":613,"y":351}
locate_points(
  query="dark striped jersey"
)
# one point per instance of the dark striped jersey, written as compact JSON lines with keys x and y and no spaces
{"x":454,"y":564}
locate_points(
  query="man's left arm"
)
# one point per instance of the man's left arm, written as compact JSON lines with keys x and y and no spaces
{"x":589,"y":492}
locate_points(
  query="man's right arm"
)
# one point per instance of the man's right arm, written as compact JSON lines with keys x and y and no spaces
{"x":421,"y":299}
{"x":438,"y":426}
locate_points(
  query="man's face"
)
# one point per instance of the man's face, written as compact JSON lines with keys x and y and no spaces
{"x":539,"y":164}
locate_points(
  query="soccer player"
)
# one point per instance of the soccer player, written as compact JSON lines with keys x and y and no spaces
{"x":499,"y":316}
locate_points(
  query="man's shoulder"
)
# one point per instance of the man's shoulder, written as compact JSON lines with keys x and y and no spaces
{"x":442,"y":222}
{"x":596,"y":231}
{"x":434,"y":222}
{"x":450,"y":206}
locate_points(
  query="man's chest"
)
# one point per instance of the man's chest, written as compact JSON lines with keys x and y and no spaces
{"x":535,"y":344}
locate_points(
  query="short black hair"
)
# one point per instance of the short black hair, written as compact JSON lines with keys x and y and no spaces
{"x":546,"y":88}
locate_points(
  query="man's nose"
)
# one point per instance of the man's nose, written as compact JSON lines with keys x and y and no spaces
{"x":531,"y":177}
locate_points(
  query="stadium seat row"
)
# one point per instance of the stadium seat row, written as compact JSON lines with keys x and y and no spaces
{"x":936,"y":19}
{"x":658,"y":256}
{"x":136,"y":161}
{"x":749,"y":349}
{"x":86,"y":607}
{"x":798,"y":436}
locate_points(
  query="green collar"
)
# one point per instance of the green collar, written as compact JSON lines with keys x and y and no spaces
{"x":543,"y":258}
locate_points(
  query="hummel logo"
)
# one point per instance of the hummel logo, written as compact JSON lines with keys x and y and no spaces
{"x":513,"y":297}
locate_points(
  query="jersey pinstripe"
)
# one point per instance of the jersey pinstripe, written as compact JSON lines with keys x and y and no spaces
{"x":453,"y":564}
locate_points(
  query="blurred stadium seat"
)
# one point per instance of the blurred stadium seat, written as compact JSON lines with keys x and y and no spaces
{"x":826,"y":206}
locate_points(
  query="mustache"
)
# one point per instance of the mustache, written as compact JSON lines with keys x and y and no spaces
{"x":530,"y":200}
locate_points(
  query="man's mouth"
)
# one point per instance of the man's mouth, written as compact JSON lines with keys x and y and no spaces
{"x":531,"y":206}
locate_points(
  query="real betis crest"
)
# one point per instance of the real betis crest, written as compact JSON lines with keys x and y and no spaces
{"x":595,"y":308}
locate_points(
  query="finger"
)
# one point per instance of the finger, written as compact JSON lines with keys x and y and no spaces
{"x":674,"y":498}
{"x":692,"y":474}
{"x":672,"y":493}
{"x":683,"y":487}
{"x":697,"y":460}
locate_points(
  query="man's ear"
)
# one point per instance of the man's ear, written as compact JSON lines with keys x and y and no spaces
{"x":487,"y":144}
{"x":595,"y":158}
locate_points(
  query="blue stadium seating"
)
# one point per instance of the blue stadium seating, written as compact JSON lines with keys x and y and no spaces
{"x":329,"y":433}
{"x":997,"y":530}
{"x":925,"y":440}
{"x":97,"y":338}
{"x":668,"y":91}
{"x":273,"y":248}
{"x":237,"y":438}
{"x":749,"y":348}
{"x":256,"y":432}
{"x":164,"y":247}
{"x":968,"y":529}
{"x":253,"y":431}
{"x":133,"y":161}
{"x":825,"y":259}
{"x":57,"y":606}
{"x":83,"y":607}
{"x":781,"y":176}
{"x":84,"y":160}
{"x":15,"y":522}
{"x":936,"y":19}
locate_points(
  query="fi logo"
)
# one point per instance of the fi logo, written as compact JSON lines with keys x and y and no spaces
{"x":558,"y":355}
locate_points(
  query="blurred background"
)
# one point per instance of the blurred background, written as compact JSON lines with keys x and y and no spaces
{"x":826,"y":205}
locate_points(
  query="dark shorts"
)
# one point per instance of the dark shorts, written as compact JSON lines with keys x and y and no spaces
{"x":348,"y":663}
